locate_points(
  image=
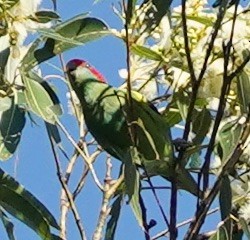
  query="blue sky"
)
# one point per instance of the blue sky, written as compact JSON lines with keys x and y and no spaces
{"x":33,"y":164}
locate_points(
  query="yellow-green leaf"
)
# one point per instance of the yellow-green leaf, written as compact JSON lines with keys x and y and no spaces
{"x":39,"y":100}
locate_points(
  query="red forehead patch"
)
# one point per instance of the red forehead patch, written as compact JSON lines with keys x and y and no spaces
{"x":78,"y":62}
{"x":74,"y":63}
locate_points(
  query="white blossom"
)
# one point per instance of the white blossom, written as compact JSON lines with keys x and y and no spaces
{"x":213,"y":79}
{"x":11,"y":69}
{"x":181,"y":78}
{"x":244,"y":211}
{"x":140,"y":79}
{"x":123,"y":73}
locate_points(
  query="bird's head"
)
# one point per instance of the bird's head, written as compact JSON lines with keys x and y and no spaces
{"x":79,"y":70}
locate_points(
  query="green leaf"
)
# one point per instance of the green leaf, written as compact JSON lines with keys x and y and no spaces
{"x":7,"y":4}
{"x":243,"y":85}
{"x":4,"y":55}
{"x":182,"y":101}
{"x":53,"y":132}
{"x":146,"y":52}
{"x":50,"y":33}
{"x":12,"y":122}
{"x":201,"y":124}
{"x":229,"y":136}
{"x":45,"y":16}
{"x":225,"y":199}
{"x":195,"y":161}
{"x":8,"y":225}
{"x":5,"y":103}
{"x":172,"y":115}
{"x":130,"y":10}
{"x":41,"y":98}
{"x":194,"y":153}
{"x":24,"y":206}
{"x":203,"y":20}
{"x":80,"y":29}
{"x":132,"y":182}
{"x":221,"y":234}
{"x":114,"y":217}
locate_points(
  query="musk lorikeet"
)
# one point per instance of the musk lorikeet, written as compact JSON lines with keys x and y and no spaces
{"x":106,"y":112}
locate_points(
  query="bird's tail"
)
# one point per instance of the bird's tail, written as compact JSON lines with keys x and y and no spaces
{"x":184,"y":179}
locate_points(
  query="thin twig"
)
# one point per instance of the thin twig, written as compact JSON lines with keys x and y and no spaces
{"x":105,"y":208}
{"x":173,"y":210}
{"x":85,"y":158}
{"x":68,"y":194}
{"x":81,"y":182}
{"x":187,"y":221}
{"x":64,"y":203}
{"x":165,"y":232}
{"x":110,"y":188}
{"x":157,"y":200}
{"x":144,"y":218}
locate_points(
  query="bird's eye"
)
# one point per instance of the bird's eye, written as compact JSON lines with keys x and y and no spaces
{"x":87,"y":65}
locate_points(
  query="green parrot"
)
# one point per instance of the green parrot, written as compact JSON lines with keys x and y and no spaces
{"x":106,"y":112}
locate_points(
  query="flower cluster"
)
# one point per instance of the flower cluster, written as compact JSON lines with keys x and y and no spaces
{"x":167,"y":40}
{"x":17,"y":21}
{"x":147,"y":74}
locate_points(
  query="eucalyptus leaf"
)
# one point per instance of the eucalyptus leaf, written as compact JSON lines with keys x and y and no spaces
{"x":132,"y":182}
{"x":12,"y":122}
{"x":45,"y":16}
{"x":243,"y":85}
{"x":146,"y":52}
{"x":203,"y":20}
{"x":245,"y":227}
{"x":8,"y":225}
{"x":228,"y":137}
{"x":4,"y":55}
{"x":225,"y":199}
{"x":24,"y":206}
{"x":195,"y":161}
{"x":51,"y":33}
{"x":79,"y":29}
{"x":5,"y":103}
{"x":172,"y":115}
{"x":114,"y":217}
{"x":130,"y":10}
{"x":41,"y":99}
{"x":182,"y":101}
{"x":221,"y":234}
{"x":201,"y":124}
{"x":53,"y":132}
